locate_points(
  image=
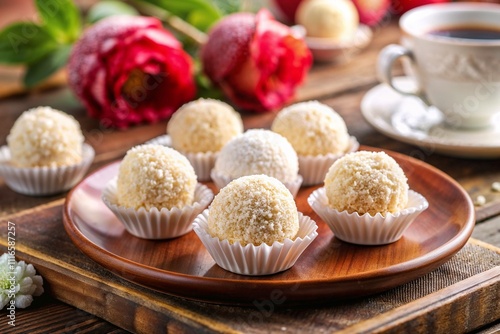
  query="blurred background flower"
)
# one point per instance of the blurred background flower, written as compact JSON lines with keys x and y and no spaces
{"x":130,"y":70}
{"x":257,"y":61}
{"x":142,"y":69}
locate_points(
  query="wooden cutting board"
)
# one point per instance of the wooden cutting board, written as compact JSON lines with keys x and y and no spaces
{"x":462,"y":293}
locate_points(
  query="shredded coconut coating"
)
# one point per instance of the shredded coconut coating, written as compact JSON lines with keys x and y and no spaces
{"x":203,"y":125}
{"x":313,"y":128}
{"x":335,"y":19}
{"x":258,"y":151}
{"x":366,"y":182}
{"x":155,"y":176}
{"x":44,"y":136}
{"x":253,"y":209}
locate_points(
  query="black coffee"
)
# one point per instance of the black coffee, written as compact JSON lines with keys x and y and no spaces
{"x":468,"y":32}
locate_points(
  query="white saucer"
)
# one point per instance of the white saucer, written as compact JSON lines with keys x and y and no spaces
{"x":407,"y":119}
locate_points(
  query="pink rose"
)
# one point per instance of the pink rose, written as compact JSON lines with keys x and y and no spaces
{"x":128,"y":69}
{"x":257,"y":61}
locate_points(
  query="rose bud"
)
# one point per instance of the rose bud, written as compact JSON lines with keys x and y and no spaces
{"x":128,"y":69}
{"x":257,"y":61}
{"x":285,"y":9}
{"x":372,"y":12}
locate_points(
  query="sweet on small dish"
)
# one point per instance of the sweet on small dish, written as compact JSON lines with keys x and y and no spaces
{"x":366,"y":199}
{"x":326,"y":50}
{"x":199,"y":129}
{"x":156,"y":194}
{"x":45,"y":153}
{"x":332,"y":29}
{"x":334,"y":19}
{"x":258,"y":151}
{"x":253,"y":228}
{"x":319,"y":136}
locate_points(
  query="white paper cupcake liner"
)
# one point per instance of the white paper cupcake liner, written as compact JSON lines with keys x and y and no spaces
{"x":221,"y":181}
{"x":154,"y":223}
{"x":202,"y":162}
{"x":42,"y":181}
{"x":256,"y":260}
{"x":366,"y":229}
{"x":313,"y":168}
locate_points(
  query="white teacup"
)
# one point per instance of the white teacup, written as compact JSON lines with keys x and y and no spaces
{"x":460,"y":76}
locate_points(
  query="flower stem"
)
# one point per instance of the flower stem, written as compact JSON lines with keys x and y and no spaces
{"x":183,"y":27}
{"x":173,"y":21}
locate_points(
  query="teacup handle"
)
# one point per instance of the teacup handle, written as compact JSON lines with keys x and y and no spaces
{"x":387,"y":56}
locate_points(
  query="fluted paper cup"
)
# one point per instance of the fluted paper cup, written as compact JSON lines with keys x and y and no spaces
{"x":157,"y":223}
{"x":256,"y":260}
{"x":202,"y":162}
{"x":313,"y":168}
{"x":367,"y":229}
{"x":42,"y":181}
{"x":221,"y":181}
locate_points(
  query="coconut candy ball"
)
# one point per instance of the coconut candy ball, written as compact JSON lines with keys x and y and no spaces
{"x":155,"y":176}
{"x":203,"y":125}
{"x":44,"y":136}
{"x":258,"y":151}
{"x":253,"y":209}
{"x":366,"y":182}
{"x":335,"y":19}
{"x":313,"y":128}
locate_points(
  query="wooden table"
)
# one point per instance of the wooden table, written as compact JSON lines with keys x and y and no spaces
{"x":83,"y":297}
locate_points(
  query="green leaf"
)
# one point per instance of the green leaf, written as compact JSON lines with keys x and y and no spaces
{"x":200,"y":13}
{"x":24,"y":43}
{"x":46,"y":66}
{"x":62,"y":19}
{"x":108,"y":8}
{"x":206,"y":90}
{"x":198,"y":19}
{"x":228,"y":6}
{"x":205,"y":87}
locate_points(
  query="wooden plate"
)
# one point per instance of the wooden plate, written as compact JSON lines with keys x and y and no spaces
{"x":329,"y":269}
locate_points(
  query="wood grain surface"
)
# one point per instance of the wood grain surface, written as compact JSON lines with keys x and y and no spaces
{"x":462,"y":295}
{"x":72,"y":277}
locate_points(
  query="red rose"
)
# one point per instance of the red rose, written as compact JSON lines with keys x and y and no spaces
{"x":257,"y":61}
{"x":287,"y":9}
{"x":128,"y":69}
{"x":402,"y":6}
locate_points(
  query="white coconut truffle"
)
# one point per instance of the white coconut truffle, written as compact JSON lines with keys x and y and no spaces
{"x":366,"y":182}
{"x":44,"y":136}
{"x":258,"y":151}
{"x":203,"y":125}
{"x":313,"y":128}
{"x":335,"y":19}
{"x":155,"y":176}
{"x":253,"y":209}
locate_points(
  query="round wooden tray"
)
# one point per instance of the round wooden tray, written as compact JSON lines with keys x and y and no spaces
{"x":329,"y":269}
